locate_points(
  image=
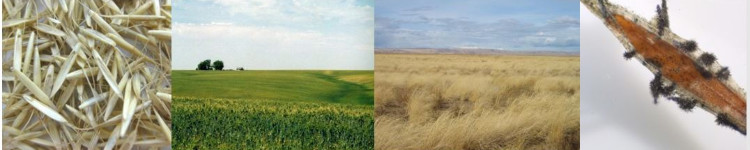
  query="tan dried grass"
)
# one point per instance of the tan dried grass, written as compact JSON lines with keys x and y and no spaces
{"x":476,"y":102}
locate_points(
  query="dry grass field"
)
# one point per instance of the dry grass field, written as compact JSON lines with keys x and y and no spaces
{"x":476,"y":102}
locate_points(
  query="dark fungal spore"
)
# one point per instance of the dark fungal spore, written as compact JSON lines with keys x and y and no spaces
{"x":723,"y":73}
{"x":703,"y":71}
{"x":656,"y":87}
{"x":628,"y":55}
{"x":686,"y":104}
{"x":688,"y":46}
{"x":660,"y":22}
{"x":723,"y":119}
{"x":667,"y":90}
{"x":707,"y":58}
{"x":662,"y":19}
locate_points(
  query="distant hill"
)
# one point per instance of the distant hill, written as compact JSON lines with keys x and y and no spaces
{"x":471,"y":51}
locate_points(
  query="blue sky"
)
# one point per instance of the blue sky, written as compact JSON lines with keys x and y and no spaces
{"x":275,"y":35}
{"x":497,"y":24}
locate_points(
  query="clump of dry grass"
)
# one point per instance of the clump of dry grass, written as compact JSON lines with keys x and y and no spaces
{"x":476,"y":102}
{"x":91,"y":74}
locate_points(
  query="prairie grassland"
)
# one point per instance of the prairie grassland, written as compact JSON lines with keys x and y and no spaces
{"x":476,"y":102}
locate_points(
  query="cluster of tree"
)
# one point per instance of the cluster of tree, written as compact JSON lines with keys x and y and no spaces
{"x":206,"y":65}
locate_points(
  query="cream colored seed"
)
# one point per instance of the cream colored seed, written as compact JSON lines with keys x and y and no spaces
{"x":64,"y":70}
{"x":107,"y":75}
{"x":137,"y":17}
{"x":15,"y":22}
{"x":82,"y":73}
{"x":37,"y":68}
{"x":29,"y":53}
{"x":49,"y":29}
{"x":98,"y":36}
{"x":98,"y":19}
{"x":32,"y":87}
{"x":130,"y":48}
{"x":17,"y":50}
{"x":161,"y":34}
{"x":46,"y":110}
{"x":93,"y":100}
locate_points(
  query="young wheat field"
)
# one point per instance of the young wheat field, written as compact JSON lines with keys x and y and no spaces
{"x":476,"y":102}
{"x":273,"y":110}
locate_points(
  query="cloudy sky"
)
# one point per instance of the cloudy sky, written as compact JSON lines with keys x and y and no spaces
{"x":266,"y":34}
{"x":501,"y":24}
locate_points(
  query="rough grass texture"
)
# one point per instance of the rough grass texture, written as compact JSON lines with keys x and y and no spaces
{"x":273,"y":110}
{"x":476,"y":102}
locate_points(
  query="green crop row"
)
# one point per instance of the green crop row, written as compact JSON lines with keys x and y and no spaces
{"x":201,"y":123}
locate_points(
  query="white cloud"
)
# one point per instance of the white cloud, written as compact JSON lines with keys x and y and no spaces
{"x":299,"y":11}
{"x":549,"y":40}
{"x":271,"y":47}
{"x":270,"y":35}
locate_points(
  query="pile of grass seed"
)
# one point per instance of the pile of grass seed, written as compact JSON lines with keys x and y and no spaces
{"x":86,"y":74}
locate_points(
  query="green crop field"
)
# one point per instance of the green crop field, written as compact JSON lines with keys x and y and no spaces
{"x":350,"y":87}
{"x":272,"y":110}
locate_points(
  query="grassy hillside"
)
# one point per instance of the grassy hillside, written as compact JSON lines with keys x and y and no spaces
{"x":272,"y":109}
{"x":350,"y":87}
